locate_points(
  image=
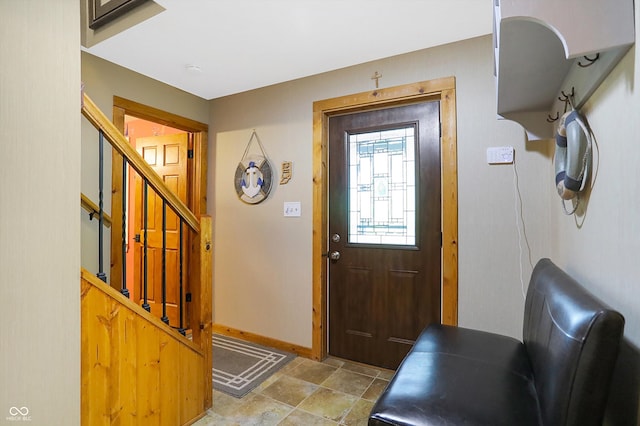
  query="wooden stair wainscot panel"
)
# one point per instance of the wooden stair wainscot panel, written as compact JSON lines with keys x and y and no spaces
{"x":134,"y":368}
{"x":201,"y":318}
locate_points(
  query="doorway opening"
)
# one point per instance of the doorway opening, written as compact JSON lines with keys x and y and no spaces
{"x":166,"y":150}
{"x":176,"y":147}
{"x":442,"y":90}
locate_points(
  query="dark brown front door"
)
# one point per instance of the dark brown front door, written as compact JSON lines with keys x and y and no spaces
{"x":384,"y":231}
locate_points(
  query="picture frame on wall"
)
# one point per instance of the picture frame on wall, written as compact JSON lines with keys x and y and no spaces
{"x":101,"y":12}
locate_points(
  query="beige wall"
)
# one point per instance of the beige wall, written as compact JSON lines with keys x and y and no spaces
{"x":39,"y":225}
{"x":102,"y":81}
{"x":601,"y":247}
{"x":262,"y":270}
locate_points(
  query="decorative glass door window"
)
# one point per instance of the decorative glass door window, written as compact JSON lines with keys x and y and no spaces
{"x":382,"y":187}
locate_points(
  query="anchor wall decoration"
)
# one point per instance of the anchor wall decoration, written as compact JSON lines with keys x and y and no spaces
{"x":254,"y":174}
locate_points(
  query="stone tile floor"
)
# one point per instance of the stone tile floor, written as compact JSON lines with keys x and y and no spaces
{"x":304,"y":393}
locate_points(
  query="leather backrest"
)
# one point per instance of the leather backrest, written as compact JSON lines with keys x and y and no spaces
{"x":572,"y":339}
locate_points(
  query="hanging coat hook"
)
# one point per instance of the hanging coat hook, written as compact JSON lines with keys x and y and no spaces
{"x":566,"y":97}
{"x":570,"y":95}
{"x":570,"y":98}
{"x":551,"y":119}
{"x":589,"y":61}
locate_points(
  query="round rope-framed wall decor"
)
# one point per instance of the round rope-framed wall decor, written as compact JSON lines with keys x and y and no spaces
{"x":254,"y":175}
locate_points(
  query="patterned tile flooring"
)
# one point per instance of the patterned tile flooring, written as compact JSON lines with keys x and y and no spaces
{"x":304,"y":393}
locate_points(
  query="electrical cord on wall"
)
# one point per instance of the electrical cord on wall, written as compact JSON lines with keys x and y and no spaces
{"x":522,"y":231}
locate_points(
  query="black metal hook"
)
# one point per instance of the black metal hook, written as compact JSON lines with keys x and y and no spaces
{"x":589,"y":61}
{"x":566,"y":97}
{"x":551,"y":119}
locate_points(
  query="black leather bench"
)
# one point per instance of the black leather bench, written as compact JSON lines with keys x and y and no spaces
{"x":559,"y":375}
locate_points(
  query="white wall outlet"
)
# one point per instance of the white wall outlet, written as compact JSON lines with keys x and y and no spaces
{"x":500,"y":155}
{"x":292,"y":208}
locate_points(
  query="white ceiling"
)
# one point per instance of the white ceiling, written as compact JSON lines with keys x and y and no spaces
{"x":239,"y":45}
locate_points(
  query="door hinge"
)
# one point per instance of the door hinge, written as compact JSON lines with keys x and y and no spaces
{"x":187,"y":297}
{"x":440,"y":129}
{"x":137,"y":238}
{"x":189,"y":153}
{"x":441,"y":239}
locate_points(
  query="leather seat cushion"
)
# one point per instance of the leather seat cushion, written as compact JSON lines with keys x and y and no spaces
{"x":457,"y":376}
{"x":495,"y":349}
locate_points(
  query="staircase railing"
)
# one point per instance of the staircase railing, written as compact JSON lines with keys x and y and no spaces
{"x":119,"y":142}
{"x":199,"y":315}
{"x":94,"y":210}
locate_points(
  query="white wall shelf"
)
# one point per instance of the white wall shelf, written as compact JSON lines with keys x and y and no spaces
{"x":538,"y":46}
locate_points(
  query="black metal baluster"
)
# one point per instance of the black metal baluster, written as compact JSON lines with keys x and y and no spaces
{"x":164,"y":318}
{"x":145,"y":303}
{"x":101,"y":274}
{"x":124,"y":289}
{"x":181,"y":329}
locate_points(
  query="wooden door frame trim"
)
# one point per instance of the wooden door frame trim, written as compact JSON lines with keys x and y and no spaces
{"x":197,"y":201}
{"x":444,"y":90}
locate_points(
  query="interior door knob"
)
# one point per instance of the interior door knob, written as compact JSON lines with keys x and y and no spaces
{"x":334,"y":255}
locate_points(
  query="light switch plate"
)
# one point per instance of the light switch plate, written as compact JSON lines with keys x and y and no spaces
{"x":292,"y":208}
{"x":500,"y":155}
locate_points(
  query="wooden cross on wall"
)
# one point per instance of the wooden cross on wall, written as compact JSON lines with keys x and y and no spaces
{"x":376,"y":76}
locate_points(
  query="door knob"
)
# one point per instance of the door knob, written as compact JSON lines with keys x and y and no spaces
{"x":334,"y":255}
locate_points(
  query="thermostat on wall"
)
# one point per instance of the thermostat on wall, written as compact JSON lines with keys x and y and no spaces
{"x":500,"y":155}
